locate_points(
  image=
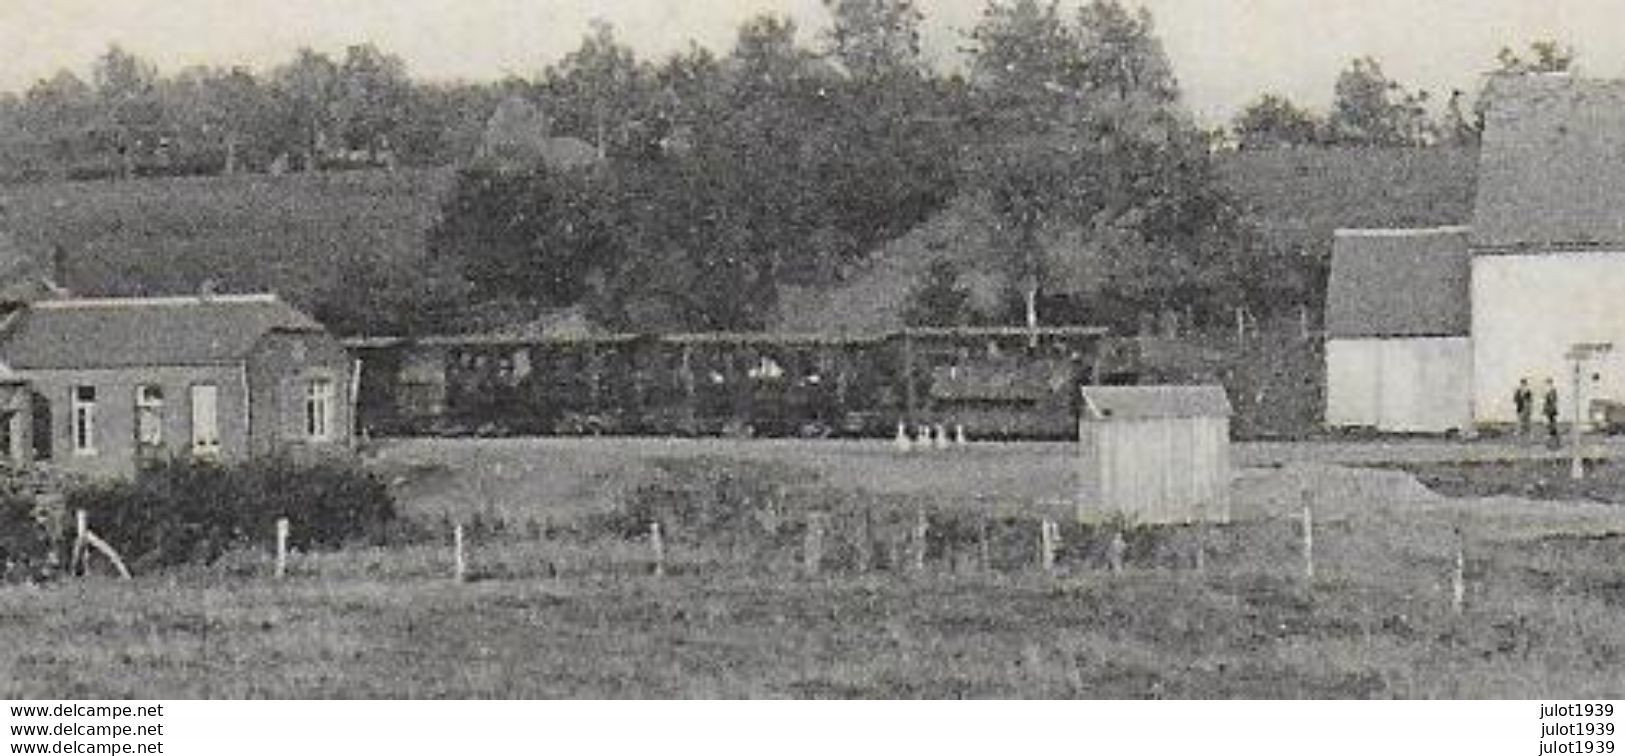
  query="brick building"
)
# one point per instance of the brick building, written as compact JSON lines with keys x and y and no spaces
{"x":109,"y":382}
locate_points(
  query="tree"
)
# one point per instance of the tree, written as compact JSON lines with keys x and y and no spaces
{"x":1371,"y":109}
{"x":1081,"y":128}
{"x":939,"y":300}
{"x":371,"y":99}
{"x":133,"y":119}
{"x":1546,"y":56}
{"x":599,"y":91}
{"x":875,"y":39}
{"x":1121,"y":53}
{"x":532,"y":235}
{"x":306,"y":90}
{"x":1275,"y":121}
{"x":59,"y":111}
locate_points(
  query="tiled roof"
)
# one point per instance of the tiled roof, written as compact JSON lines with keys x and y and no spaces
{"x":1552,"y":167}
{"x":110,"y":333}
{"x":1107,"y":403}
{"x":1399,"y":283}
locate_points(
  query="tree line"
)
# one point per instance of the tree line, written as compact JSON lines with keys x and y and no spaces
{"x":1370,"y":109}
{"x":312,"y":112}
{"x":790,"y":158}
{"x":688,"y":192}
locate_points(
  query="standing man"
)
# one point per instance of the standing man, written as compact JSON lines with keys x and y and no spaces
{"x":1524,"y":400}
{"x":1549,"y":408}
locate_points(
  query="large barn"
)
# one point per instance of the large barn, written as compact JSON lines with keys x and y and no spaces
{"x":1431,"y":330}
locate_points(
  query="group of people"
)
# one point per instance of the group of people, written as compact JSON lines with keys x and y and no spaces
{"x":1524,"y":400}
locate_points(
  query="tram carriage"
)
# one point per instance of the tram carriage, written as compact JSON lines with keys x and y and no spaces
{"x":995,"y":382}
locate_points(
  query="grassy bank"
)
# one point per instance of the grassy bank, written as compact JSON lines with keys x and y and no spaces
{"x":563,"y":603}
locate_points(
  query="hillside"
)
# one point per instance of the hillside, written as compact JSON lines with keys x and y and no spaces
{"x":290,"y":234}
{"x":294,"y":234}
{"x":1297,"y":196}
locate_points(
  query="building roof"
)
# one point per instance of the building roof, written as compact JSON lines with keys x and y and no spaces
{"x":170,"y":331}
{"x":1107,"y":403}
{"x":1399,"y":283}
{"x":1552,"y":165}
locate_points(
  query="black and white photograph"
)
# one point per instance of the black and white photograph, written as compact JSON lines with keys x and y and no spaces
{"x":887,"y":350}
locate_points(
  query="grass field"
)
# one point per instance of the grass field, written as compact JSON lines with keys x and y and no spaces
{"x":247,"y":233}
{"x":560,"y":607}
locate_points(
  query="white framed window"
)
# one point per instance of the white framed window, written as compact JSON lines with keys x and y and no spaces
{"x":84,"y":419}
{"x":205,"y":419}
{"x":149,"y":415}
{"x":319,"y":409}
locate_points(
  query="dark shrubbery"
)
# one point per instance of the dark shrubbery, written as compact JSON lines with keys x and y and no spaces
{"x":25,"y":539}
{"x":182,"y":511}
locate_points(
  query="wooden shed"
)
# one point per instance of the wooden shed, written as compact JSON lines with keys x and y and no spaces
{"x":1154,"y":454}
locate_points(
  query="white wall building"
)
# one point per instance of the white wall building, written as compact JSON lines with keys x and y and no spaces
{"x":1397,"y":351}
{"x":1431,"y":330}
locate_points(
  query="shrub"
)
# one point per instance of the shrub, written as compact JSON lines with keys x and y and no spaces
{"x":25,"y":540}
{"x":180,"y":511}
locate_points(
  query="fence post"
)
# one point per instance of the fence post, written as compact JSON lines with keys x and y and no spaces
{"x":459,"y":563}
{"x":1201,"y":547}
{"x":657,"y":544}
{"x":920,"y":533}
{"x":1458,"y":578}
{"x":1046,"y":545}
{"x":866,"y":542}
{"x":983,"y":545}
{"x":1308,"y":526}
{"x":81,"y":523}
{"x":812,"y":551}
{"x":281,"y":547}
{"x":1116,"y":549}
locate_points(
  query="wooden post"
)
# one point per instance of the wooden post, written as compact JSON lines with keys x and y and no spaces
{"x":812,"y":551}
{"x":1116,"y":550}
{"x":1201,"y":547}
{"x":81,"y":521}
{"x":657,"y":544}
{"x":1458,"y":578}
{"x":920,"y":533}
{"x":1577,"y":469}
{"x":1308,"y":525}
{"x":459,"y":563}
{"x":690,"y":402}
{"x":866,"y":543}
{"x":1046,"y":544}
{"x":281,"y":547}
{"x":983,"y":545}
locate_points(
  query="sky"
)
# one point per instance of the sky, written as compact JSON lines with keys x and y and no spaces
{"x":1225,"y":52}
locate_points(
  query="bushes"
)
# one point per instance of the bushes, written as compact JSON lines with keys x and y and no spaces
{"x":25,"y":540}
{"x":183,"y":511}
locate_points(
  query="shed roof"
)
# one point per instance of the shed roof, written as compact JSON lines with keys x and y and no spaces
{"x":1107,"y":403}
{"x":112,"y":333}
{"x":1552,"y":165}
{"x":1399,"y":283}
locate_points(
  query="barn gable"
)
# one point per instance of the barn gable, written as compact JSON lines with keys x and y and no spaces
{"x":1399,"y":284}
{"x":1550,"y":168}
